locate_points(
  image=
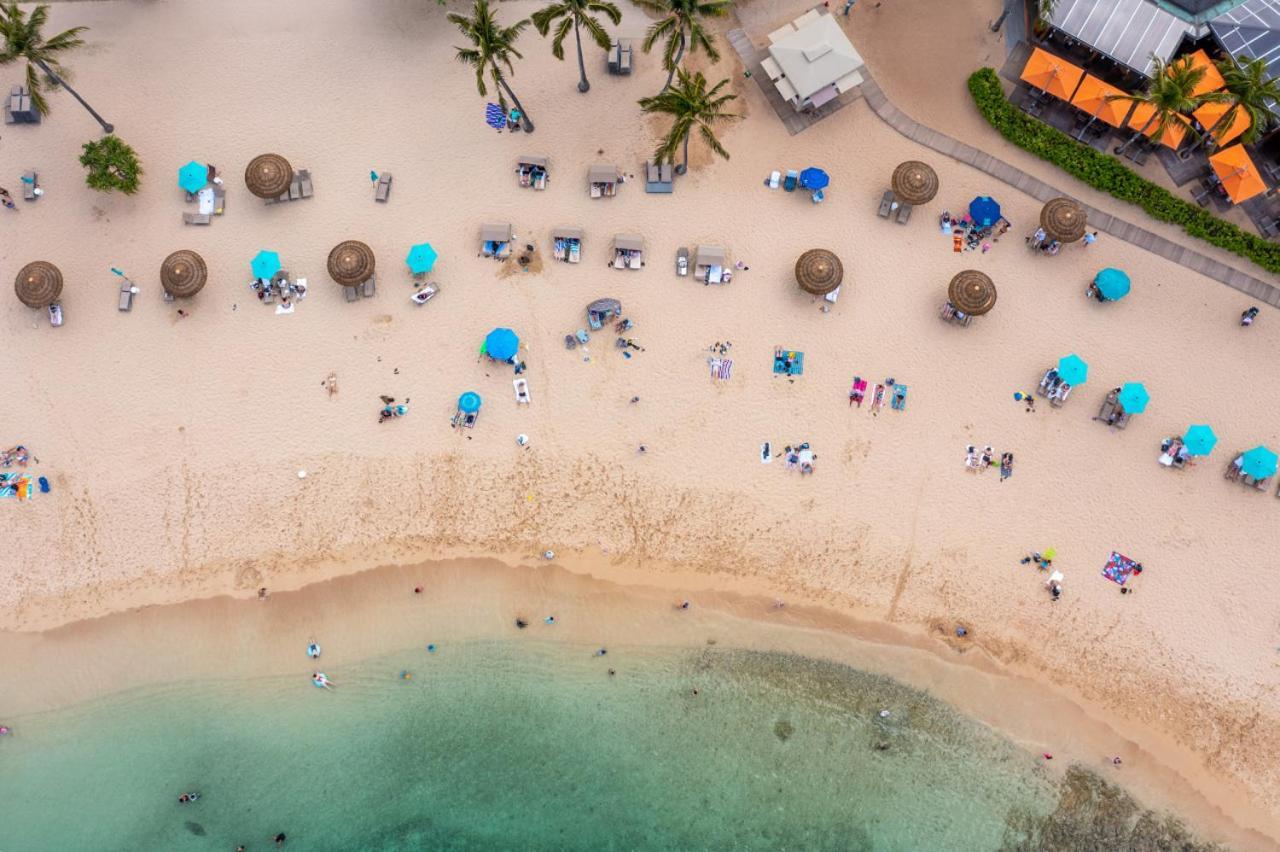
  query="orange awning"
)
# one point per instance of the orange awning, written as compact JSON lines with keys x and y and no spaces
{"x":1052,"y":74}
{"x":1212,"y":80}
{"x":1174,"y":132}
{"x":1210,"y":114}
{"x":1238,"y":174}
{"x":1093,"y":97}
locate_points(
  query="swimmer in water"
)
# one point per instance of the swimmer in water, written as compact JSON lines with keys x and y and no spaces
{"x":521,"y":623}
{"x":550,"y":619}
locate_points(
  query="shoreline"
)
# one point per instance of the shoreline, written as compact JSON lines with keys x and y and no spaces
{"x":370,"y":612}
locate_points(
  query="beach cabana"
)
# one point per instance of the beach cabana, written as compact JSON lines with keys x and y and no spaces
{"x":1211,"y":118}
{"x":602,"y":181}
{"x":914,"y":183}
{"x":1063,"y":219}
{"x":1073,"y":370}
{"x":709,"y":263}
{"x":183,"y":274}
{"x":1199,"y":440}
{"x":1133,"y":397}
{"x":819,"y":272}
{"x":1110,"y":285}
{"x":38,"y":284}
{"x":501,"y":344}
{"x":1051,"y":74}
{"x":265,"y":264}
{"x":193,"y":176}
{"x":566,"y":244}
{"x":971,"y":294}
{"x":628,"y":251}
{"x":495,"y":240}
{"x":532,"y":170}
{"x":599,"y":311}
{"x":351,"y":263}
{"x":1212,"y":79}
{"x":1174,"y":132}
{"x":1100,"y":100}
{"x":984,"y":210}
{"x":817,"y":63}
{"x":421,"y":258}
{"x":1238,"y":173}
{"x":268,"y":176}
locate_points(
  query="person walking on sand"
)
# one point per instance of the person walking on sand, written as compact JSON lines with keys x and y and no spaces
{"x":1247,"y":318}
{"x":1089,"y":239}
{"x":6,"y":199}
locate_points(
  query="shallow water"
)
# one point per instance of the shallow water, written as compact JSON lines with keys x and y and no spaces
{"x":526,"y":744}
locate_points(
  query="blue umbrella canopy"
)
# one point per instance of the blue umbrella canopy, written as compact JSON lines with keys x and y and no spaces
{"x":193,"y":176}
{"x":814,"y":178}
{"x":501,"y":344}
{"x":469,"y":402}
{"x":265,"y":264}
{"x":984,"y":210}
{"x":1199,"y":440}
{"x":1073,"y":369}
{"x":1259,"y":463}
{"x":1113,"y":284}
{"x":1133,"y":397}
{"x":421,"y":258}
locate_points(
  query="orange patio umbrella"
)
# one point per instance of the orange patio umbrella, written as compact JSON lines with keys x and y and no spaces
{"x":1052,"y":74}
{"x":1174,"y":132}
{"x":1210,"y":114}
{"x":1212,"y":80}
{"x":1094,"y":97}
{"x":1238,"y":173}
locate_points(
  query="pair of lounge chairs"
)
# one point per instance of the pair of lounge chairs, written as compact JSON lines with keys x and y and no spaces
{"x":978,"y":461}
{"x":1235,"y":473}
{"x":658,"y":178}
{"x":368,"y":289}
{"x":382,"y":189}
{"x":299,"y":189}
{"x":950,"y":314}
{"x":1053,"y":388}
{"x":621,"y":58}
{"x":887,"y":204}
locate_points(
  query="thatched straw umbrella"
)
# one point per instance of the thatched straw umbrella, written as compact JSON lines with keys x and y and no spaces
{"x":268,"y":176}
{"x":351,"y":263}
{"x":972,"y":292}
{"x":819,"y":271}
{"x":183,"y":273}
{"x":1063,"y":219}
{"x":914,"y":182}
{"x":38,"y":284}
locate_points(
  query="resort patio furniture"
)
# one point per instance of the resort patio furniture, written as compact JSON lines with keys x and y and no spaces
{"x":219,"y":200}
{"x":369,"y":288}
{"x":628,"y":251}
{"x":781,"y":33}
{"x":382,"y":190}
{"x":904,"y":213}
{"x":495,"y":240}
{"x":771,"y":68}
{"x":566,"y":244}
{"x":125,"y":302}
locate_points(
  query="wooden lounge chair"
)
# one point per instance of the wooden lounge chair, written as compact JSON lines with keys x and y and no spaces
{"x":886,"y":204}
{"x":126,"y":295}
{"x":196,"y":218}
{"x":369,"y":288}
{"x":382,"y":191}
{"x":904,"y":213}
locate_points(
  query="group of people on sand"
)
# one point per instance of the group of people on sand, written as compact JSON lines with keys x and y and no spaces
{"x":967,"y":235}
{"x":980,"y":461}
{"x":392,"y":409}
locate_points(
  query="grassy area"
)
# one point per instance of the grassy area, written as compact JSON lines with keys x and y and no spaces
{"x":1107,"y":173}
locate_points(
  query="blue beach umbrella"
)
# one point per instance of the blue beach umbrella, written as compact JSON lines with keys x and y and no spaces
{"x":469,"y":402}
{"x":501,"y":344}
{"x":265,"y":264}
{"x":1199,"y":440}
{"x":1073,"y":369}
{"x":1113,"y":284}
{"x":1259,"y":463}
{"x":421,"y":258}
{"x":193,"y":176}
{"x":984,"y":210}
{"x":1133,"y":397}
{"x":814,"y":178}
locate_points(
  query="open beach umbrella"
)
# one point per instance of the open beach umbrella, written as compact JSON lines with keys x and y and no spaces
{"x":351,"y":263}
{"x":1199,"y":440}
{"x":1259,"y":463}
{"x":38,"y":284}
{"x":268,"y":175}
{"x":1210,"y":116}
{"x":984,"y":210}
{"x":1212,"y":79}
{"x":972,"y":292}
{"x":183,"y":274}
{"x":1238,"y":173}
{"x":193,"y":176}
{"x":265,"y":264}
{"x":1063,"y":219}
{"x":501,"y":344}
{"x":1051,"y":74}
{"x":1073,"y":369}
{"x":469,"y":402}
{"x":1100,"y":100}
{"x":1133,"y":397}
{"x":819,"y":271}
{"x":421,"y":258}
{"x":1113,"y":284}
{"x":1174,"y":131}
{"x":814,"y":178}
{"x":914,"y":182}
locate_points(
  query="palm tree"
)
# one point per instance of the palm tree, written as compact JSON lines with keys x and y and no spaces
{"x":1170,"y":95}
{"x":1251,"y":92}
{"x":23,"y":40}
{"x":691,"y":106}
{"x":577,"y":14}
{"x":681,"y":25}
{"x":491,"y":51}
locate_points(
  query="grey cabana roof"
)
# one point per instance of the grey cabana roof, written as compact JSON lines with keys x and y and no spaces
{"x":630,"y":242}
{"x":531,"y":160}
{"x":1253,"y":28}
{"x":1129,"y":31}
{"x":564,"y":232}
{"x":815,"y":56}
{"x":495,"y":233}
{"x":708,"y":256}
{"x":602,"y":174}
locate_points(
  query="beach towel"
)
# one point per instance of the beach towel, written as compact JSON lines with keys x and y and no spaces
{"x":1006,"y":469}
{"x":1119,"y":568}
{"x":957,"y":243}
{"x":857,"y":390}
{"x":899,"y":401}
{"x":18,"y":485}
{"x":877,"y":399}
{"x":714,"y":363}
{"x":788,"y":362}
{"x":494,"y":116}
{"x":726,"y":369}
{"x":766,"y":453}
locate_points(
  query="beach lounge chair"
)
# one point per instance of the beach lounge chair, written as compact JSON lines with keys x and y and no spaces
{"x":621,"y":57}
{"x":1049,"y":383}
{"x":351,"y":293}
{"x":424,"y":295}
{"x":774,"y":180}
{"x":904,"y":213}
{"x":1059,"y":394}
{"x":899,"y":401}
{"x":370,"y":287}
{"x":522,"y":391}
{"x":659,"y":178}
{"x":55,"y":314}
{"x":792,"y":179}
{"x":196,"y":218}
{"x":382,"y":190}
{"x":1106,"y":412}
{"x":126,"y":295}
{"x":886,"y":204}
{"x":1234,"y":469}
{"x":29,"y":181}
{"x":950,"y":314}
{"x":219,"y":200}
{"x":304,"y":183}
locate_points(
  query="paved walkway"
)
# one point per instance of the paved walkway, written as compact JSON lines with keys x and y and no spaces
{"x":1105,"y":222}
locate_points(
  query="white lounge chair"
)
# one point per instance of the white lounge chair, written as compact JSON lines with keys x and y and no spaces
{"x":522,"y":390}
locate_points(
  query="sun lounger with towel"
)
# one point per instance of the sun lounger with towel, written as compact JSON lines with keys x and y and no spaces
{"x":886,"y":204}
{"x":899,"y":401}
{"x":521,"y":386}
{"x":792,"y":180}
{"x":369,"y":287}
{"x":424,"y":295}
{"x":196,"y":218}
{"x":219,"y":200}
{"x":857,"y":391}
{"x":126,"y":295}
{"x":30,"y":181}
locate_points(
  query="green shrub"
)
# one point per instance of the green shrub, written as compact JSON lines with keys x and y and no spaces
{"x":1107,"y":173}
{"x":112,"y":165}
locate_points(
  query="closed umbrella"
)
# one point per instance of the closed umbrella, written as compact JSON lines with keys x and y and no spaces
{"x":38,"y":284}
{"x":914,"y":182}
{"x":1259,"y":463}
{"x":984,"y":210}
{"x":1113,"y":284}
{"x":1199,"y":440}
{"x":819,"y":271}
{"x":501,"y":344}
{"x":265,"y":264}
{"x":1063,"y":219}
{"x":193,"y":176}
{"x":351,"y":263}
{"x":421,"y":258}
{"x":268,"y":176}
{"x":972,"y":292}
{"x":1073,"y":369}
{"x":1133,"y":398}
{"x":183,"y":274}
{"x":814,"y":178}
{"x":469,"y":402}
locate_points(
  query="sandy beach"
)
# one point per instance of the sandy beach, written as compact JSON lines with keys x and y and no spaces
{"x":173,"y":445}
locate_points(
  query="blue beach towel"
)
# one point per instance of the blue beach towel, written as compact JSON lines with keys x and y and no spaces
{"x":899,"y":401}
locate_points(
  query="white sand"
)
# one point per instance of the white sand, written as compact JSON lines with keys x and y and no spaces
{"x":173,"y":445}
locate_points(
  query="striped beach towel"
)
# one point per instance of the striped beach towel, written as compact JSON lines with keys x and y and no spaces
{"x":17,"y":485}
{"x":726,"y":369}
{"x":714,"y":364}
{"x":495,"y":116}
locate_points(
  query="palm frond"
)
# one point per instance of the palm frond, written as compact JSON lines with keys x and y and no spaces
{"x":562,"y":32}
{"x":597,"y":33}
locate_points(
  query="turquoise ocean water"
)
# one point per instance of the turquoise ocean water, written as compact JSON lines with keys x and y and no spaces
{"x":532,"y":745}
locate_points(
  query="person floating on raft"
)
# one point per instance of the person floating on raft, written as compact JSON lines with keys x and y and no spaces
{"x":313,"y":650}
{"x":321,"y":681}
